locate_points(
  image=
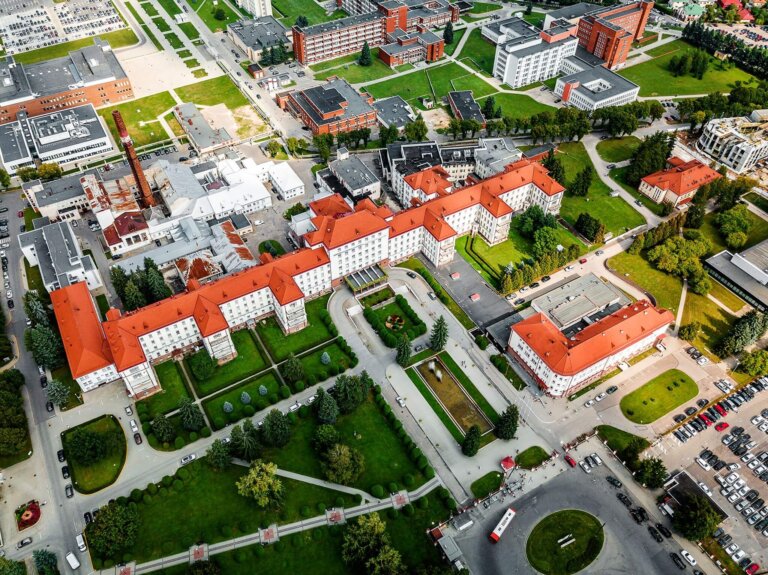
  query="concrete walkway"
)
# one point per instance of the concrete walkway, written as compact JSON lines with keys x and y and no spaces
{"x":681,"y":307}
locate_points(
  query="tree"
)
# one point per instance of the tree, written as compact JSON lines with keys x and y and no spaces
{"x":119,"y":280}
{"x":529,"y":7}
{"x":8,"y":567}
{"x":403,"y":351}
{"x":324,"y":437}
{"x":276,"y":429}
{"x":293,"y":145}
{"x":690,"y":331}
{"x":448,"y":33}
{"x":219,"y":14}
{"x":343,"y":464}
{"x":388,"y":135}
{"x":261,"y":484}
{"x":363,"y":539}
{"x":696,"y":519}
{"x":417,"y":130}
{"x":350,"y":391}
{"x":27,"y":174}
{"x":554,"y":167}
{"x":45,"y":346}
{"x":192,"y":418}
{"x":292,"y":370}
{"x":217,"y":455}
{"x":387,"y":561}
{"x":209,"y":567}
{"x":532,"y":219}
{"x":507,"y":425}
{"x":365,"y":55}
{"x":323,"y":145}
{"x":163,"y":429}
{"x":35,"y":309}
{"x":439,"y":335}
{"x":49,"y":171}
{"x":754,"y":363}
{"x":113,"y":529}
{"x":325,"y":407}
{"x":45,"y":562}
{"x":86,"y":447}
{"x":302,"y":22}
{"x":545,"y":241}
{"x":201,"y":365}
{"x":694,"y":217}
{"x":5,"y":179}
{"x":489,"y":107}
{"x":580,"y":185}
{"x":58,"y":393}
{"x":652,"y":472}
{"x":650,"y":156}
{"x":274,"y":148}
{"x":132,"y":297}
{"x":590,"y":227}
{"x":471,"y":444}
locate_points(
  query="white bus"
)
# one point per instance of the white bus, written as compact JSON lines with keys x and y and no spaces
{"x":501,"y":526}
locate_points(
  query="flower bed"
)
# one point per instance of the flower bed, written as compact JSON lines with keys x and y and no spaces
{"x":27,"y":515}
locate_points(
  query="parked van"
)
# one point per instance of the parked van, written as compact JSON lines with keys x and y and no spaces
{"x":81,"y":542}
{"x":72,"y":560}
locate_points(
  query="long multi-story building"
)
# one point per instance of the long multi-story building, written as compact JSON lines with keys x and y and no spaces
{"x":738,"y":143}
{"x":338,"y":240}
{"x":377,"y":27}
{"x":91,"y":75}
{"x":256,"y":8}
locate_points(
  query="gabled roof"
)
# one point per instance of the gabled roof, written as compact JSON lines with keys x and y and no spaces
{"x":333,"y":233}
{"x":603,"y":338}
{"x":84,"y":341}
{"x":682,"y":177}
{"x":433,"y":180}
{"x":437,"y":226}
{"x":332,"y":206}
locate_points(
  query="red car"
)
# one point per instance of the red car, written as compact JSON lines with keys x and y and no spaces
{"x":721,"y":426}
{"x":583,"y":260}
{"x":706,"y":419}
{"x":721,"y":411}
{"x":752,"y":569}
{"x":20,"y":214}
{"x":569,"y":460}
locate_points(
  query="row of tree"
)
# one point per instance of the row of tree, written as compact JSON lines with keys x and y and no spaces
{"x":140,"y":287}
{"x":45,"y":171}
{"x":744,"y":332}
{"x":741,"y":101}
{"x":681,"y":256}
{"x":276,"y":54}
{"x":14,"y":431}
{"x":42,"y":338}
{"x":693,"y":62}
{"x":752,"y":58}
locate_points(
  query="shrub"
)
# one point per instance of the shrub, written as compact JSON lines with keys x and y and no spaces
{"x":422,"y":503}
{"x":392,"y":513}
{"x":304,"y":411}
{"x":178,"y":485}
{"x":249,"y":410}
{"x":298,"y":386}
{"x":136,"y":495}
{"x":428,"y":473}
{"x":97,"y":563}
{"x":408,"y":480}
{"x":108,"y":563}
{"x":393,"y":487}
{"x":182,"y":474}
{"x":310,"y":380}
{"x":482,"y":341}
{"x":263,"y":391}
{"x":408,"y":510}
{"x":278,"y":546}
{"x":377,"y":491}
{"x":241,"y":556}
{"x":205,"y":432}
{"x":245,"y":398}
{"x":259,"y":551}
{"x":147,"y":499}
{"x":422,"y":463}
{"x":218,"y":421}
{"x":167,"y":480}
{"x":152,"y":488}
{"x":321,"y":507}
{"x":273,"y":398}
{"x":325,"y":359}
{"x":146,"y":428}
{"x":285,"y":391}
{"x":292,"y":417}
{"x":193,"y":436}
{"x":339,"y":502}
{"x":162,"y":492}
{"x":201,"y":365}
{"x":179,"y":442}
{"x":227,"y":407}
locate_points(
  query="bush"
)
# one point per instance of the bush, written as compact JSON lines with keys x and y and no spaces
{"x":273,"y":398}
{"x":482,"y":341}
{"x":422,"y":463}
{"x":392,"y":513}
{"x":97,"y":563}
{"x":108,"y":563}
{"x":422,"y":503}
{"x":147,"y":499}
{"x":428,"y":473}
{"x":310,"y":380}
{"x":152,"y":488}
{"x":241,"y":556}
{"x":136,"y":495}
{"x":393,"y":487}
{"x":249,"y":410}
{"x":303,"y":411}
{"x":321,"y":507}
{"x":377,"y":491}
{"x":205,"y":432}
{"x":285,"y":391}
{"x":292,"y":417}
{"x":183,"y":474}
{"x":408,"y":480}
{"x":178,"y":485}
{"x":408,"y":510}
{"x":193,"y":436}
{"x":339,"y":502}
{"x":146,"y":428}
{"x":179,"y":442}
{"x":298,"y":386}
{"x":167,"y":480}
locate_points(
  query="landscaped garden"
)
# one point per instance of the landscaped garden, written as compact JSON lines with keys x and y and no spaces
{"x":665,"y":288}
{"x":248,"y":362}
{"x":243,"y":400}
{"x":95,"y":451}
{"x":394,"y":320}
{"x":531,"y":457}
{"x":457,"y":34}
{"x":758,"y":200}
{"x":327,"y":361}
{"x":347,"y":67}
{"x":319,"y":330}
{"x":658,"y":397}
{"x":487,"y":484}
{"x":546,"y":552}
{"x":618,"y":439}
{"x":173,"y":390}
{"x":377,"y":297}
{"x":617,"y":149}
{"x":75,"y":397}
{"x":655,"y":78}
{"x":758,"y":231}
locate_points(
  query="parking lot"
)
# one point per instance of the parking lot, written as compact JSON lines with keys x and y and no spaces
{"x":750,"y":34}
{"x":28,"y":25}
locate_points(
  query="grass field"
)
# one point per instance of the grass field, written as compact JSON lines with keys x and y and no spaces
{"x":478,"y":52}
{"x":665,"y":288}
{"x":117,"y":39}
{"x":207,"y":10}
{"x":219,"y":90}
{"x":617,"y":149}
{"x":439,"y":410}
{"x":312,"y":362}
{"x":619,"y":176}
{"x":161,"y":24}
{"x":714,"y":320}
{"x":531,"y":457}
{"x":75,"y":393}
{"x":141,"y":118}
{"x":218,"y":513}
{"x":288,"y":10}
{"x":545,"y":552}
{"x":758,"y":200}
{"x":658,"y":397}
{"x":170,"y":7}
{"x":758,"y":231}
{"x":726,"y":296}
{"x":618,"y":439}
{"x":189,"y":30}
{"x":280,"y":346}
{"x":335,"y":62}
{"x":92,"y":478}
{"x":150,"y":9}
{"x":356,"y":74}
{"x":174,"y":390}
{"x":174,"y":41}
{"x":484,"y":8}
{"x":488,"y":483}
{"x":457,"y":35}
{"x":655,"y":79}
{"x":394,"y":309}
{"x":617,"y":215}
{"x":191,"y":63}
{"x":214,"y":407}
{"x":535,"y":18}
{"x":518,"y":105}
{"x":249,"y":361}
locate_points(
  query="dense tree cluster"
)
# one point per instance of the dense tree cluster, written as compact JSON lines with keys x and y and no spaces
{"x":514,"y":277}
{"x":14,"y":432}
{"x":417,"y":130}
{"x":650,"y":156}
{"x":114,"y":529}
{"x":354,"y":138}
{"x":620,"y":120}
{"x":554,"y":167}
{"x":752,"y":58}
{"x":275,"y":55}
{"x":693,"y":62}
{"x":141,"y":287}
{"x":754,"y":363}
{"x":45,"y":172}
{"x":657,"y":235}
{"x":367,"y":547}
{"x":734,"y":225}
{"x":744,"y":332}
{"x":261,"y":484}
{"x":680,"y":256}
{"x":44,"y":343}
{"x":532,"y":219}
{"x":591,"y":228}
{"x":696,"y":519}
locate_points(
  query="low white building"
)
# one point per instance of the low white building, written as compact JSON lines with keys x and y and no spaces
{"x":595,"y":87}
{"x":286,"y":184}
{"x":738,"y":143}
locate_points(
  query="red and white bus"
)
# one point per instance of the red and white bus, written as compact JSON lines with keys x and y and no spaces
{"x":498,"y":531}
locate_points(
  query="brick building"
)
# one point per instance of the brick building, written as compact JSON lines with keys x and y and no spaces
{"x":408,"y":48}
{"x":91,"y":75}
{"x":608,"y":32}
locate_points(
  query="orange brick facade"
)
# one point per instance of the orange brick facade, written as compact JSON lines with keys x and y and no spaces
{"x":345,"y":123}
{"x":609,"y":34}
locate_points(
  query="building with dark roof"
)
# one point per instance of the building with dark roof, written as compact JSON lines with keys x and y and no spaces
{"x":744,"y":273}
{"x":255,"y":36}
{"x":394,"y":111}
{"x":349,"y":176}
{"x":331,"y":108}
{"x":595,"y":87}
{"x":202,"y":136}
{"x":408,"y":48}
{"x":88,"y":75}
{"x":465,"y":107}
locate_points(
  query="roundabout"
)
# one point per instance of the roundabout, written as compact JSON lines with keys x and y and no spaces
{"x":564,"y":542}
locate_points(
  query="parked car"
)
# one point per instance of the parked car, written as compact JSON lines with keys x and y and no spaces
{"x":188,"y":459}
{"x":137,"y":438}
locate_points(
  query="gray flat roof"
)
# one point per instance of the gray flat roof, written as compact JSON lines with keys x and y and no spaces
{"x":394,"y":111}
{"x":409,"y":158}
{"x":725,"y":272}
{"x":198,"y":129}
{"x":574,"y":11}
{"x":329,"y":97}
{"x":757,"y":255}
{"x":56,"y":249}
{"x":50,"y":132}
{"x":13,"y":145}
{"x":609,"y":84}
{"x":13,"y":81}
{"x":352,"y":173}
{"x":466,"y":105}
{"x":260,"y":33}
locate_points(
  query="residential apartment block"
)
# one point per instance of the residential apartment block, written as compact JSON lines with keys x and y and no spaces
{"x":738,"y":143}
{"x":257,"y":8}
{"x":91,"y":75}
{"x":411,"y":47}
{"x":678,"y":183}
{"x":255,"y":36}
{"x":337,"y":238}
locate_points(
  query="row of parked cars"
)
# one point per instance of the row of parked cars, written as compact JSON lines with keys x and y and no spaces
{"x":700,"y":358}
{"x":601,"y":396}
{"x":738,"y":555}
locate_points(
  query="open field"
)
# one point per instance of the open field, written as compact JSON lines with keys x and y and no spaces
{"x":726,"y":296}
{"x":478,"y":53}
{"x":665,"y":288}
{"x":75,"y":393}
{"x":617,"y":215}
{"x":207,"y":9}
{"x":174,"y":390}
{"x":353,"y":72}
{"x":758,"y":231}
{"x":715,"y":321}
{"x":617,"y":149}
{"x":141,"y":118}
{"x":518,"y":105}
{"x":117,"y":39}
{"x":288,"y":10}
{"x":280,"y":346}
{"x":658,"y":397}
{"x":535,"y":18}
{"x":92,"y":478}
{"x":547,"y":555}
{"x":655,"y":79}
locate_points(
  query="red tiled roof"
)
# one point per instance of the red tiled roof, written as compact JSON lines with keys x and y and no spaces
{"x":129,"y":223}
{"x":433,"y":180}
{"x":366,"y":204}
{"x":683,"y":177}
{"x":332,"y":206}
{"x":80,"y":328}
{"x":601,"y":339}
{"x":437,"y":226}
{"x":333,"y":233}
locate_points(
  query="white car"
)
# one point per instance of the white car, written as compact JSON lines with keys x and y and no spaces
{"x":400,"y":400}
{"x":733,"y":466}
{"x":134,"y":426}
{"x":731,"y":549}
{"x":733,"y":497}
{"x":764,"y":426}
{"x":705,"y":489}
{"x":569,"y":268}
{"x":739,"y":483}
{"x":738,"y":556}
{"x":585,"y":466}
{"x":597,"y":459}
{"x":756,"y":420}
{"x":732,"y":477}
{"x":753,"y":464}
{"x":589,"y":403}
{"x":742,"y":491}
{"x":188,"y":458}
{"x":759,"y":470}
{"x":9,"y":294}
{"x":258,"y":222}
{"x":688,"y":557}
{"x":703,"y":464}
{"x":703,"y":360}
{"x":721,"y":480}
{"x":747,"y":457}
{"x":601,"y":397}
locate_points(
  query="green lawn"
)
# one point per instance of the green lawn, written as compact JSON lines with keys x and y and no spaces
{"x":174,"y":390}
{"x":152,"y":38}
{"x":116,"y":39}
{"x":274,"y":244}
{"x":207,"y":9}
{"x":535,"y":18}
{"x":161,"y":24}
{"x":288,"y":10}
{"x":356,"y":74}
{"x":478,"y":52}
{"x":436,"y":406}
{"x":174,"y":41}
{"x":544,"y":549}
{"x":531,"y":457}
{"x":655,"y":79}
{"x":457,"y":35}
{"x":617,"y":149}
{"x":486,"y":484}
{"x":219,"y":90}
{"x":394,"y":309}
{"x":484,"y":8}
{"x":758,"y":231}
{"x":335,"y":62}
{"x":618,"y":439}
{"x":617,"y":215}
{"x":75,"y":393}
{"x":758,"y":200}
{"x":714,"y":320}
{"x":619,"y":176}
{"x":280,"y":346}
{"x":367,"y":430}
{"x":35,"y":280}
{"x":92,"y":478}
{"x":191,"y":63}
{"x":214,"y":407}
{"x":189,"y":30}
{"x":150,"y":9}
{"x":519,"y":105}
{"x":144,"y":110}
{"x":173,"y":123}
{"x":30,"y":215}
{"x":658,"y":397}
{"x":726,"y":296}
{"x":170,"y":7}
{"x":249,"y":361}
{"x":134,"y":12}
{"x":665,"y":288}
{"x":312,"y":362}
{"x":103,"y":305}
{"x":214,"y":511}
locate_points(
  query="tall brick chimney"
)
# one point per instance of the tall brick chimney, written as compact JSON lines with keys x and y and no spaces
{"x":133,"y":160}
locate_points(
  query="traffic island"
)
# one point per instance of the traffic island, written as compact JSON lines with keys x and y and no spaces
{"x":565,"y":542}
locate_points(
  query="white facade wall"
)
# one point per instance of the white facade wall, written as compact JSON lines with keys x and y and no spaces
{"x":165,"y":340}
{"x":406,"y":244}
{"x":256,"y":8}
{"x":722,"y":140}
{"x":140,"y":379}
{"x":359,"y":254}
{"x":583,"y":100}
{"x":315,"y":281}
{"x":91,"y":381}
{"x":516,"y":68}
{"x":248,"y":307}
